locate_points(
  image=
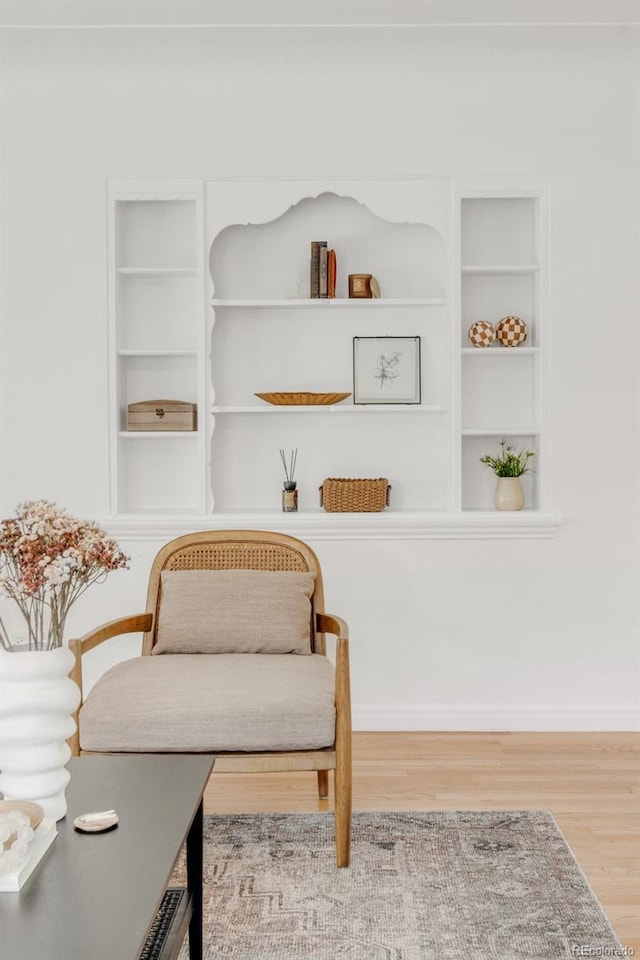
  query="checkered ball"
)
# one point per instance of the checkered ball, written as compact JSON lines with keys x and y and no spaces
{"x":511,"y":331}
{"x":482,"y":333}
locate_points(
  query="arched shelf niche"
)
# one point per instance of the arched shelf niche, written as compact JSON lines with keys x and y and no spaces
{"x":270,"y":260}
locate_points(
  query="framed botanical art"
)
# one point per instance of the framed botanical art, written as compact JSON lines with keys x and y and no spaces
{"x":386,"y":369}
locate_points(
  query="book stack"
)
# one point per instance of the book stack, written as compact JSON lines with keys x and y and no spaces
{"x":43,"y":836}
{"x":323,"y":271}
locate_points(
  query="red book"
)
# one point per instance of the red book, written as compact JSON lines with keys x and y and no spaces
{"x":331,"y":273}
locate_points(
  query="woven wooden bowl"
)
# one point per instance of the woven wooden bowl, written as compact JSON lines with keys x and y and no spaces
{"x":302,"y":399}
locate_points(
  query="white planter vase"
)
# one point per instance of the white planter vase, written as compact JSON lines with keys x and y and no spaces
{"x":509,"y":495}
{"x":37,"y":698}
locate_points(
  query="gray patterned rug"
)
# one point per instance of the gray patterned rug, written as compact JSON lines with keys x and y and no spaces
{"x":445,"y":885}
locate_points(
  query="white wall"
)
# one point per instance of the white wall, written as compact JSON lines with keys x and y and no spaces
{"x":446,"y":634}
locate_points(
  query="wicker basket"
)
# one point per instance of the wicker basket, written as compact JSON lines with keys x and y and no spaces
{"x":341,"y":495}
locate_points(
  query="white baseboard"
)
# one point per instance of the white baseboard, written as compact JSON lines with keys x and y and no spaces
{"x":486,"y":718}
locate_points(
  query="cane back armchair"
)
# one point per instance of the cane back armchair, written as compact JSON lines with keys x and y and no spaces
{"x":220,"y":671}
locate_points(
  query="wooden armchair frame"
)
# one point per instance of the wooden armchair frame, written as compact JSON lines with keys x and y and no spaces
{"x":258,"y":550}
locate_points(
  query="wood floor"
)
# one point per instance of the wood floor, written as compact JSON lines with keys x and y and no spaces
{"x":590,"y":782}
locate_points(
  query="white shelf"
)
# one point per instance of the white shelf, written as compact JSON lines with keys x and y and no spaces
{"x":503,"y":432}
{"x":282,"y":409}
{"x":391,"y":524}
{"x":326,"y":303}
{"x":499,"y":270}
{"x":157,"y":353}
{"x":499,"y":351}
{"x":156,"y":434}
{"x":157,"y":271}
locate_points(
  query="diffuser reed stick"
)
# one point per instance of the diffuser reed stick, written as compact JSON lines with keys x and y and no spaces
{"x":290,"y":468}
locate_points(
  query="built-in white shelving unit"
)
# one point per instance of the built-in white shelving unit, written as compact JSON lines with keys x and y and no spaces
{"x":156,"y":287}
{"x":502,"y":389}
{"x":267,"y":334}
{"x":209,"y":303}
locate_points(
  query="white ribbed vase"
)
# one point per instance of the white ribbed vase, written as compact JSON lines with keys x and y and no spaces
{"x":37,"y":698}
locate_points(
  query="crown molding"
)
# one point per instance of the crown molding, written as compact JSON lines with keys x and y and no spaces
{"x":313,"y":13}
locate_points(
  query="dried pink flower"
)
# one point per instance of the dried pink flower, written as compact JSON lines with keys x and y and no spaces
{"x":48,"y":558}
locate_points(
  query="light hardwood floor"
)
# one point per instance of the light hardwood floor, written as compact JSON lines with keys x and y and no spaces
{"x":589,"y":781}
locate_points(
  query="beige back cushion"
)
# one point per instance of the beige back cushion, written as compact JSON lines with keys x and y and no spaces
{"x":234,"y":611}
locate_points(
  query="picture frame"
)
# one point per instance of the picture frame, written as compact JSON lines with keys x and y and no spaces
{"x":386,"y":370}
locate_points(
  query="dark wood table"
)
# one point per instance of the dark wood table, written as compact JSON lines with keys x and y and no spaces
{"x":96,"y":896}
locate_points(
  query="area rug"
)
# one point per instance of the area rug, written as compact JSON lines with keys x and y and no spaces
{"x":445,"y":885}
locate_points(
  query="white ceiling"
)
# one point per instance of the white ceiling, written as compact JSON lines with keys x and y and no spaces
{"x":273,"y":13}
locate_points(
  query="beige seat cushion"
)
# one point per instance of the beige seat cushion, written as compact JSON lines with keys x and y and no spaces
{"x":235,"y":611}
{"x":188,"y":703}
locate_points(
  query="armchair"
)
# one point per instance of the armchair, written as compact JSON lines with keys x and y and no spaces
{"x":233,"y":663}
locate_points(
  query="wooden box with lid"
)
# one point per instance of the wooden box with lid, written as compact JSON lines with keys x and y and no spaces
{"x":162,"y":415}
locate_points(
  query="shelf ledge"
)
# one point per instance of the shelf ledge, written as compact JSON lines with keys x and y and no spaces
{"x":326,"y":302}
{"x":156,"y":434}
{"x":157,"y":353}
{"x":157,"y":271}
{"x":318,"y":525}
{"x":333,"y":408}
{"x":498,"y":351}
{"x":500,"y":270}
{"x":501,"y":432}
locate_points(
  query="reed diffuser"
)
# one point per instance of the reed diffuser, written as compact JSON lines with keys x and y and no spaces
{"x":289,"y":493}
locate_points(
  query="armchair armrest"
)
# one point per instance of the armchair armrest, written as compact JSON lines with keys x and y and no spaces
{"x":139,"y":623}
{"x":329,"y":623}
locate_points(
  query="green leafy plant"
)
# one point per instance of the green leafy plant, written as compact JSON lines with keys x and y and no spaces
{"x":510,"y":462}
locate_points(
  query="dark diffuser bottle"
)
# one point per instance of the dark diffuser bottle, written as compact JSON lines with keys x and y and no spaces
{"x":290,"y":497}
